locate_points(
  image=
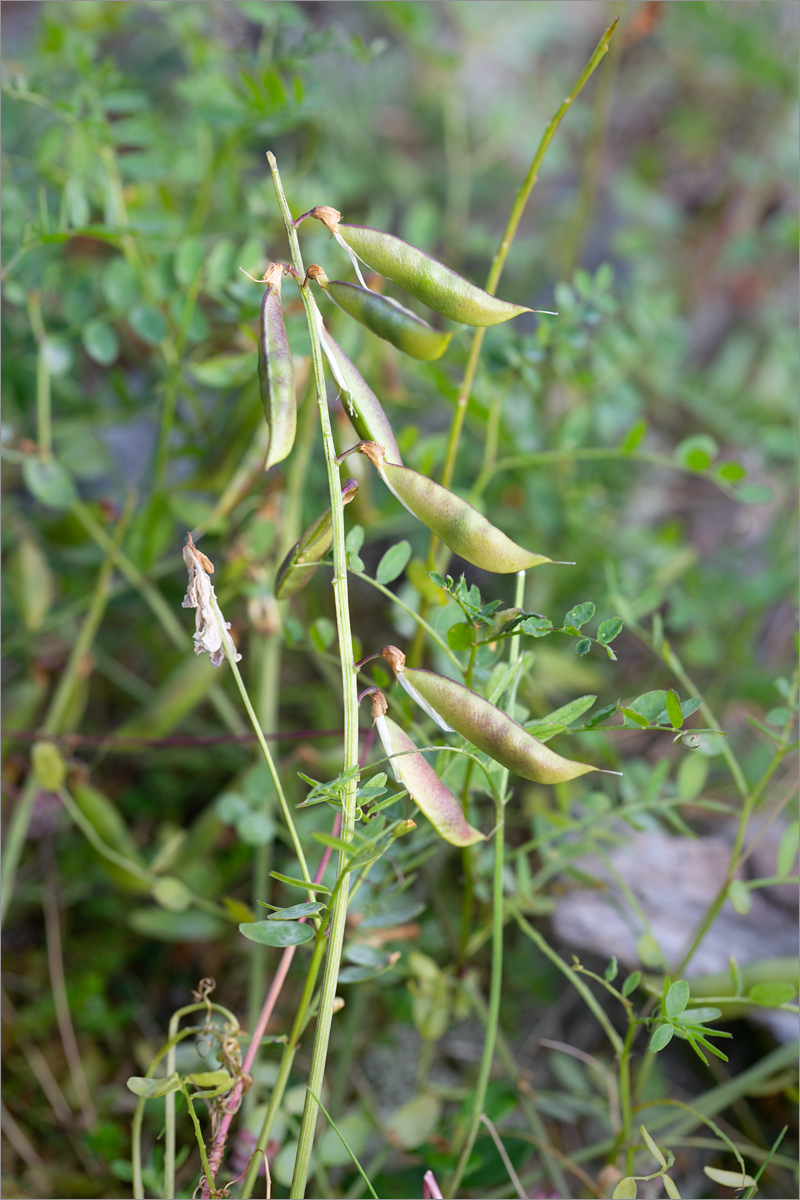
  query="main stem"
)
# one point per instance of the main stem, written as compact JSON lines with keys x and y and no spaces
{"x":349,"y":695}
{"x":496,"y":985}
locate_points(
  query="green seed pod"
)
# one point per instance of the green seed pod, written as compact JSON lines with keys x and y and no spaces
{"x":460,"y":526}
{"x":385,"y":317}
{"x":301,"y":562}
{"x":276,"y":370}
{"x":363,"y":407}
{"x":425,"y":278}
{"x":486,"y":726}
{"x":425,"y":787}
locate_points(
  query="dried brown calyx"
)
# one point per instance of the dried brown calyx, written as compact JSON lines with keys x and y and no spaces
{"x":395,"y":658}
{"x":380,"y":705}
{"x":330,"y":217}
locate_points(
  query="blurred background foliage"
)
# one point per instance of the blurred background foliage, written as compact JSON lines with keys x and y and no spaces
{"x":664,"y":230}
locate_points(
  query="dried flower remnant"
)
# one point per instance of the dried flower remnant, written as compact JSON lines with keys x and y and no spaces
{"x":211,"y":630}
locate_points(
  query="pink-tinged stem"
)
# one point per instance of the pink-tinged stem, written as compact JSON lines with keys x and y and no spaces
{"x":235,"y":1098}
{"x":430,"y":1188}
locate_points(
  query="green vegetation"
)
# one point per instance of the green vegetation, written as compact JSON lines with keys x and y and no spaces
{"x":219,"y":887}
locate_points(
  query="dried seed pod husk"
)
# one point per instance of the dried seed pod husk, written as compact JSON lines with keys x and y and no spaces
{"x":425,"y":787}
{"x":442,"y":289}
{"x":363,"y":406}
{"x":487,"y":726}
{"x":276,"y":371}
{"x":301,"y":562}
{"x":385,"y":317}
{"x":460,"y":526}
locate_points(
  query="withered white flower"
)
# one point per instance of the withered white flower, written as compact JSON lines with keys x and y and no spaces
{"x":211,"y":628}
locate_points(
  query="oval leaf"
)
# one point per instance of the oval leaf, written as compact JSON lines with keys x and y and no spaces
{"x":210,"y":1079}
{"x":49,"y":483}
{"x":393,"y":563}
{"x":676,"y":998}
{"x":771,"y":995}
{"x":731,"y":1179}
{"x":670,"y":1188}
{"x":661,"y":1038}
{"x":151,"y":1089}
{"x":100,"y":341}
{"x":674,"y":709}
{"x":652,"y":1147}
{"x":787,"y":850}
{"x":625,"y":1189}
{"x":608,"y":630}
{"x":296,"y":911}
{"x":739,"y":896}
{"x":277,"y":933}
{"x":579,"y":615}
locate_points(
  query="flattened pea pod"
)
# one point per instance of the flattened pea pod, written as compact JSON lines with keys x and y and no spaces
{"x":301,"y":562}
{"x":425,"y":787}
{"x":460,"y":526}
{"x":424,"y":277}
{"x":368,"y":418}
{"x":488,"y":727}
{"x":276,"y":371}
{"x":385,"y":317}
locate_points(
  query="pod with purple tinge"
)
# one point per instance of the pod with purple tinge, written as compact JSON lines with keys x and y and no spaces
{"x":460,"y":526}
{"x":442,"y":289}
{"x":385,"y":317}
{"x":425,"y":787}
{"x":276,"y":371}
{"x":363,"y":407}
{"x":487,"y":726}
{"x":302,"y":560}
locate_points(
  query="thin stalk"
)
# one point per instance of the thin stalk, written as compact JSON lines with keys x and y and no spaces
{"x":625,"y":1100}
{"x":169,"y":1101}
{"x":506,"y":1056}
{"x":506,"y":241}
{"x":582,"y":211}
{"x":58,"y":986}
{"x":545,"y":458}
{"x":492,"y":281}
{"x":44,"y":418}
{"x":496,"y":983}
{"x":350,"y":703}
{"x":265,"y":750}
{"x":421,"y":622}
{"x":269,"y":670}
{"x":575,"y":979}
{"x":56,"y":713}
{"x":287,"y":1061}
{"x":259,"y":1028}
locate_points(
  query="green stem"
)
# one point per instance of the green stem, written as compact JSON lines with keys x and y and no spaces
{"x":44,"y":419}
{"x":505,"y":245}
{"x":350,"y":703}
{"x":575,"y":979}
{"x":421,"y":622}
{"x":169,"y":1101}
{"x":582,"y":211}
{"x":492,"y":281}
{"x":268,"y":668}
{"x":57,"y":712}
{"x":544,"y":458}
{"x":625,"y":1101}
{"x":496,"y":984}
{"x":287,"y":1060}
{"x":265,"y":750}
